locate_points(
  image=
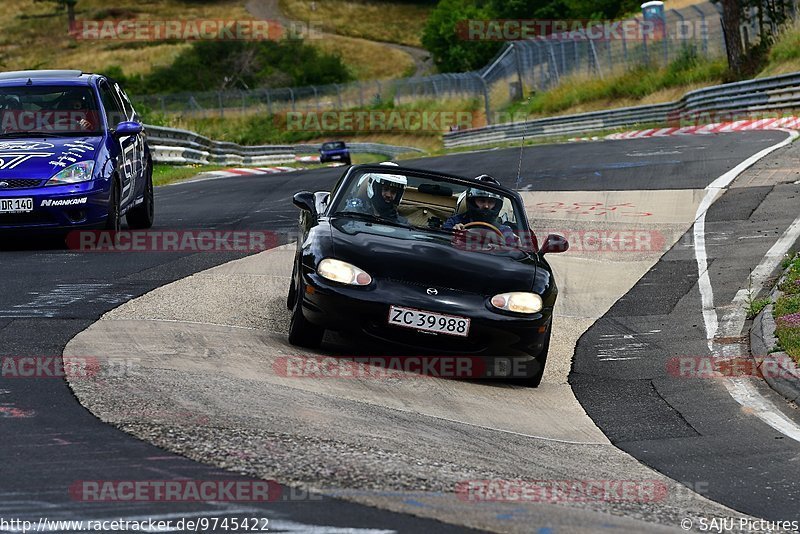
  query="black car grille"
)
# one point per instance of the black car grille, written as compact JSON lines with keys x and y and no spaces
{"x":13,"y":219}
{"x":425,"y":285}
{"x":19,"y":183}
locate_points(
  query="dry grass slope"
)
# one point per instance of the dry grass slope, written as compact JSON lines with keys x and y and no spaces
{"x":32,"y":36}
{"x":368,"y":19}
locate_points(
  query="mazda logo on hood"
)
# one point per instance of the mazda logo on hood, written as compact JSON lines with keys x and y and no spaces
{"x":432,"y":291}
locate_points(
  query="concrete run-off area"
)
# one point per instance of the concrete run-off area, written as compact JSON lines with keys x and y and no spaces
{"x":208,"y":386}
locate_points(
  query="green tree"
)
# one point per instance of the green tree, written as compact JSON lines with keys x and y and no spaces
{"x":770,"y":15}
{"x":443,"y":36}
{"x":222,"y":65}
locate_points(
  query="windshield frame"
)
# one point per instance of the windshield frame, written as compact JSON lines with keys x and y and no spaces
{"x":96,"y":106}
{"x":355,"y":172}
{"x":339,"y":145}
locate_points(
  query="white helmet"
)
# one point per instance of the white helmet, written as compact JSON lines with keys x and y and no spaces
{"x":375,"y":191}
{"x":377,"y":180}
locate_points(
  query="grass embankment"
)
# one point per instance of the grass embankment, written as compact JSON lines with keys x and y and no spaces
{"x":259,"y":129}
{"x":784,"y":56}
{"x":648,"y":85}
{"x":787,"y":310}
{"x":639,"y":86}
{"x":391,"y":22}
{"x":359,"y":29}
{"x":166,"y":174}
{"x":34,"y":36}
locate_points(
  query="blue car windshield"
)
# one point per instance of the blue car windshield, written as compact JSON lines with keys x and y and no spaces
{"x":53,"y":110}
{"x":426,"y":201}
{"x":335,"y":145}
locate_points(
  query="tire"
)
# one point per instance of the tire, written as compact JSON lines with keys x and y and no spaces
{"x":348,"y":162}
{"x":534,"y":380}
{"x":292,"y":296}
{"x":113,"y":219}
{"x":302,"y":333}
{"x":142,"y":216}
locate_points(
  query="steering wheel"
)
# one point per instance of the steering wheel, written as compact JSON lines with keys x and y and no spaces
{"x":481,"y":224}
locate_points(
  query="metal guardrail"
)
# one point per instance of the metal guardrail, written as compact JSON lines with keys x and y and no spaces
{"x":172,"y":145}
{"x":391,"y":151}
{"x":765,"y":94}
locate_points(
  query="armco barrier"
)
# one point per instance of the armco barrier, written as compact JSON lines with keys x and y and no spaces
{"x":389,"y":151}
{"x":172,"y":145}
{"x":765,"y":94}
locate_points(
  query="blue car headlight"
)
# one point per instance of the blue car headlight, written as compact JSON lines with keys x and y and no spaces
{"x":75,"y":173}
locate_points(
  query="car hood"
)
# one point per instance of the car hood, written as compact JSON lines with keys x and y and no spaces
{"x":42,"y":158}
{"x":429,"y":258}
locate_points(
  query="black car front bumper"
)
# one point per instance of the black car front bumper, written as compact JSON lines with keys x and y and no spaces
{"x":508,"y":343}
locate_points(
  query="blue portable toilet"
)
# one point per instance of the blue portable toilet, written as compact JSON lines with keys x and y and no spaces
{"x":653,"y":12}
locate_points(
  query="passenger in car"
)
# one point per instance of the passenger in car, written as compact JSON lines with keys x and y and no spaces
{"x":384,"y":192}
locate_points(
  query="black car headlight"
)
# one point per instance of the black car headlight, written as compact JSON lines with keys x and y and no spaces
{"x":343,"y":272}
{"x":518,"y":302}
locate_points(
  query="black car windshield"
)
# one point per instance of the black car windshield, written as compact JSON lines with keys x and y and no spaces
{"x":55,"y":110}
{"x":333,"y":145}
{"x":428,"y":202}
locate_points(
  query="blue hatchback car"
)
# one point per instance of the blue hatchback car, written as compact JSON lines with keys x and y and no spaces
{"x":73,"y":154}
{"x":334,"y":151}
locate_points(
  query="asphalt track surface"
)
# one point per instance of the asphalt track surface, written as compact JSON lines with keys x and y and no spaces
{"x":50,"y":294}
{"x":690,"y":429}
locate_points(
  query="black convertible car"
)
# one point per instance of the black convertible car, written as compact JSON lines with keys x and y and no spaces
{"x":427,"y":262}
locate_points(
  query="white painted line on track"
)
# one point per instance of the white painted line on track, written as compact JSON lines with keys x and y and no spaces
{"x":741,"y":390}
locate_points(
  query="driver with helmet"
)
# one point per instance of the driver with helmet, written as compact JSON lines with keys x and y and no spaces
{"x":482,"y":206}
{"x":384,"y":192}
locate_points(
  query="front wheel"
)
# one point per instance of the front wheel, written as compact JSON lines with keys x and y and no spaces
{"x":536,"y":379}
{"x":113,"y":219}
{"x":142,"y":216}
{"x":302,"y":333}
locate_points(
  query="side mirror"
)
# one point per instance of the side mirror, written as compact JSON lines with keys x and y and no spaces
{"x":127,"y":128}
{"x":321,"y":199}
{"x":305,"y":201}
{"x":553,"y":244}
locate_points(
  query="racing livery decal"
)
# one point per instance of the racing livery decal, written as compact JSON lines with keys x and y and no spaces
{"x":63,"y":202}
{"x":12,"y":153}
{"x":73,"y":154}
